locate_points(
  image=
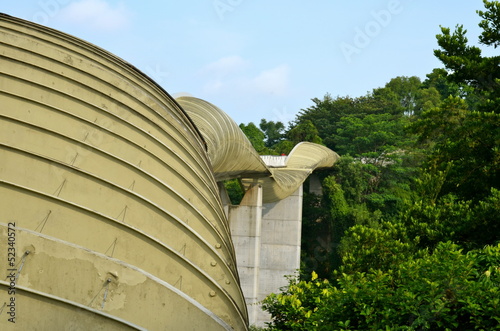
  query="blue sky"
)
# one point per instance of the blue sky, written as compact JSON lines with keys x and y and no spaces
{"x":262,"y":59}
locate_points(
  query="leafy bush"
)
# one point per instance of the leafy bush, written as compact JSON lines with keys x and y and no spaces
{"x":445,"y":290}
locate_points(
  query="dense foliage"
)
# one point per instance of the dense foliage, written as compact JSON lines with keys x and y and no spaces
{"x":406,"y":234}
{"x":445,"y":290}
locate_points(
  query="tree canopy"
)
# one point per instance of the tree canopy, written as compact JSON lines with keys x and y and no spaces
{"x":406,"y":234}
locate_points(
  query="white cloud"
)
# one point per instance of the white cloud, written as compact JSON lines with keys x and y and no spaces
{"x":226,"y":66}
{"x":273,"y":81}
{"x":223,"y":73}
{"x":97,"y":14}
{"x":230,"y":75}
{"x":214,"y":86}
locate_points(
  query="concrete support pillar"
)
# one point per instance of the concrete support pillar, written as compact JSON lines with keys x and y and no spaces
{"x":266,"y":240}
{"x":245,"y":222}
{"x":280,"y":246}
{"x":226,"y":201}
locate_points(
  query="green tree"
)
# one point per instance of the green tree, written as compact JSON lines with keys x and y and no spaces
{"x":304,"y":131}
{"x":316,"y":251}
{"x":377,"y":118}
{"x":324,"y":220}
{"x":406,"y":90}
{"x":355,"y":179}
{"x":466,"y":63}
{"x":256,"y":137}
{"x":463,"y":134}
{"x":374,"y":134}
{"x":234,"y":190}
{"x":407,"y":96}
{"x":283,"y":147}
{"x":490,"y":24}
{"x":465,"y":142}
{"x":274,"y":132}
{"x":438,"y":79}
{"x":471,"y":225}
{"x":324,"y":114}
{"x":419,"y":244}
{"x":445,"y":290}
{"x":375,"y":246}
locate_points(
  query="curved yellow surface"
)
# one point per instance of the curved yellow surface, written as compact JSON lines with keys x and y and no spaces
{"x":299,"y":164}
{"x":230,"y":152}
{"x":108,"y":188}
{"x":233,"y":156}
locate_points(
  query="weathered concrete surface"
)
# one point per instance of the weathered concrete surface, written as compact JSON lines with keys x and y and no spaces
{"x":245,"y":222}
{"x":267,"y":244}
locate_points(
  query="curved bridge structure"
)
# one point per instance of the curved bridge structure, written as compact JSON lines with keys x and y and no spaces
{"x":110,"y":214}
{"x":233,"y":156}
